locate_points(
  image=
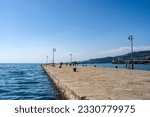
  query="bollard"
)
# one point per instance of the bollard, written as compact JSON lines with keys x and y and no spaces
{"x":74,"y":69}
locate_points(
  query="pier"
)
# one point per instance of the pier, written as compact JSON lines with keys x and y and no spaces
{"x":92,"y":83}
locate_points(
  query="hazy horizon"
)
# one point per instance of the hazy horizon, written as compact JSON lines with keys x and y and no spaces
{"x":49,"y":61}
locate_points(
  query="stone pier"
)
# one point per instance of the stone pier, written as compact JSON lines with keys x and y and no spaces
{"x":92,"y":83}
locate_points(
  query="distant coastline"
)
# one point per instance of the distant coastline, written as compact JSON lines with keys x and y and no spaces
{"x":140,"y":57}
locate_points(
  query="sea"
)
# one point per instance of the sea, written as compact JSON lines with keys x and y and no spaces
{"x":122,"y":66}
{"x":30,"y":81}
{"x":26,"y":82}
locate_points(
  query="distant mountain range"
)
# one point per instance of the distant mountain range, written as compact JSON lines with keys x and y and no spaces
{"x":141,"y":55}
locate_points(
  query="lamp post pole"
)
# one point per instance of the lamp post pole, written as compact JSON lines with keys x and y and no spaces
{"x":70,"y":58}
{"x":46,"y":60}
{"x":54,"y":50}
{"x":131,"y":40}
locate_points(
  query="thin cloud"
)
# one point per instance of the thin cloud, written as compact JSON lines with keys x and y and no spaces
{"x":106,"y":53}
{"x":120,"y":51}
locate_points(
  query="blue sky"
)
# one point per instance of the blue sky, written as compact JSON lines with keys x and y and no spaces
{"x":29,"y":29}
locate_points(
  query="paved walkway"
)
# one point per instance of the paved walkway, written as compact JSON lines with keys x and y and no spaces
{"x":100,"y":83}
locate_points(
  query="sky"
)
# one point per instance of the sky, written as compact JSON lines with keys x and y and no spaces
{"x":30,"y":29}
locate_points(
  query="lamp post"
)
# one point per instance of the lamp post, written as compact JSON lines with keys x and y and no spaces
{"x":70,"y":58}
{"x":54,"y":50}
{"x":46,"y":60}
{"x":130,"y":38}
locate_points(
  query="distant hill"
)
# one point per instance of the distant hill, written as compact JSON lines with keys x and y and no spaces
{"x":141,"y":55}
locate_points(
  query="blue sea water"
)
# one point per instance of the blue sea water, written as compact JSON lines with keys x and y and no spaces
{"x":25,"y":82}
{"x":123,"y":66}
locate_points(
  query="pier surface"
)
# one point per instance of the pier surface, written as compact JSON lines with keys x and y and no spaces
{"x":100,"y":83}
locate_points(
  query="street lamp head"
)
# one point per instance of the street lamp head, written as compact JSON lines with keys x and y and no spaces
{"x":130,"y":37}
{"x":54,"y":49}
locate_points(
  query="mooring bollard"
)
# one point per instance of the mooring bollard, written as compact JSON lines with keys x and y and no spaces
{"x":74,"y":69}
